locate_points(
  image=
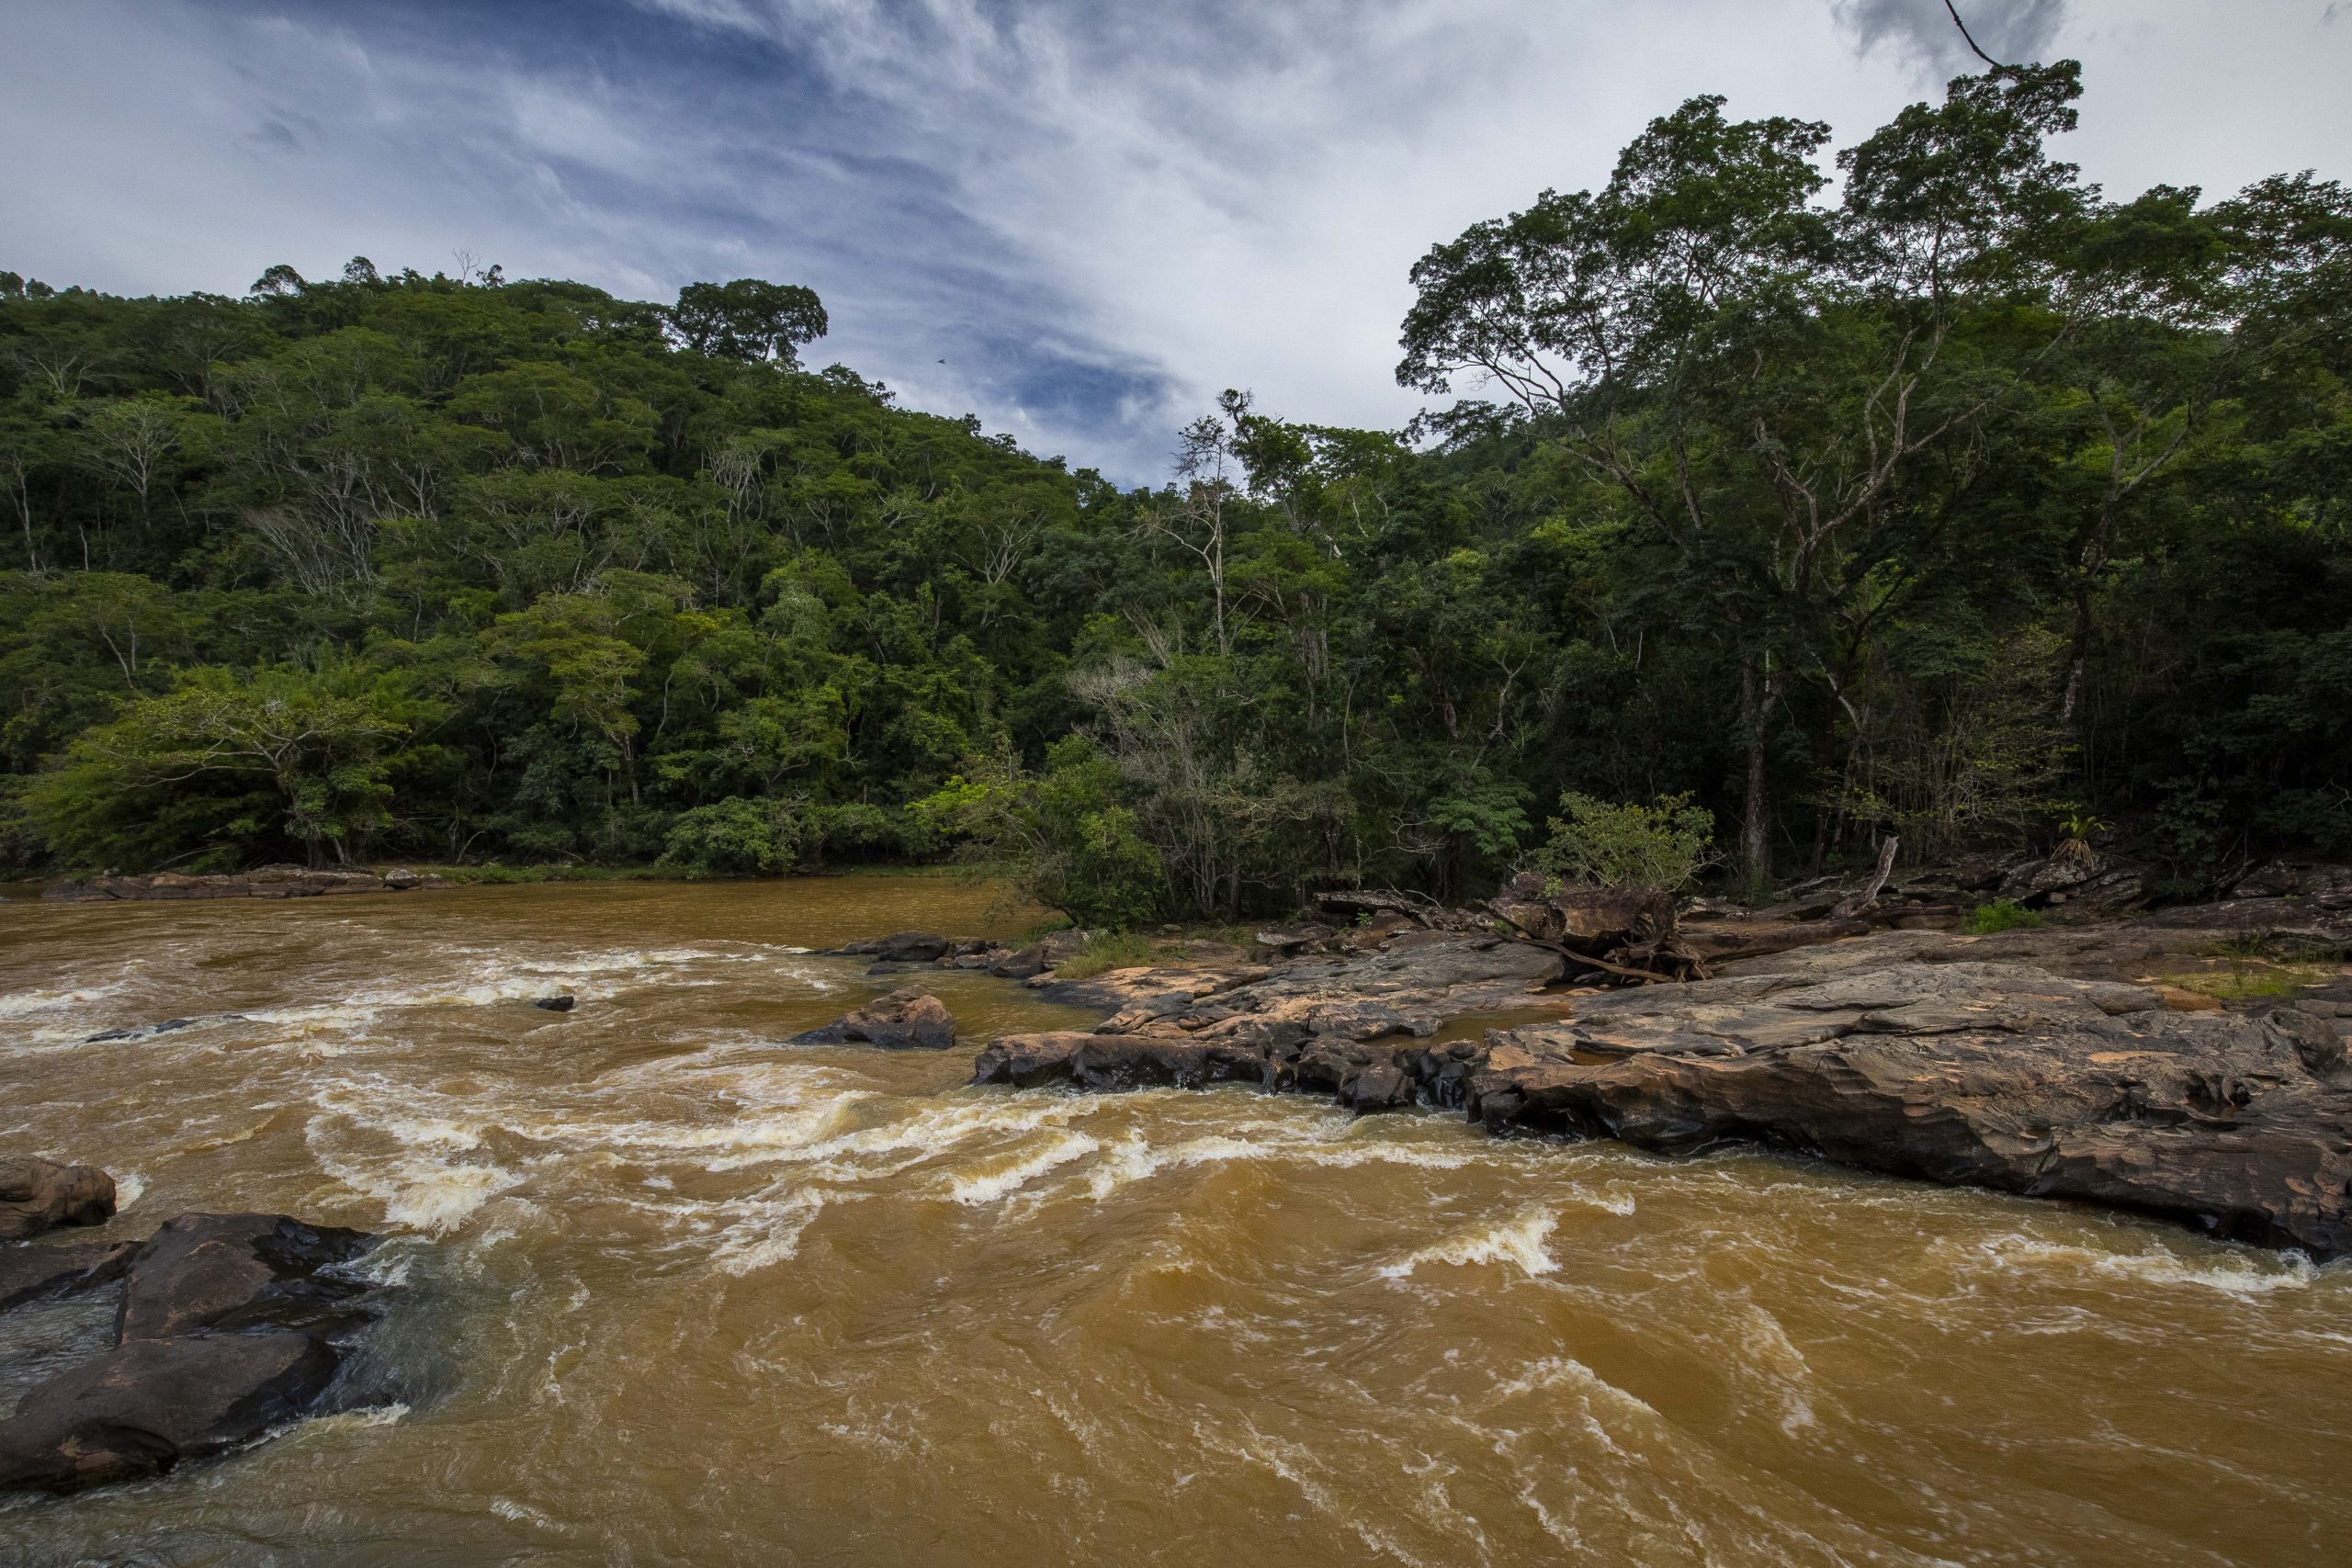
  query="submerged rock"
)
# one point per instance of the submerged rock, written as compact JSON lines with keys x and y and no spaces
{"x":562,"y":1003}
{"x":229,"y":1325}
{"x":36,"y":1195}
{"x":169,"y":1026}
{"x":907,"y":1018}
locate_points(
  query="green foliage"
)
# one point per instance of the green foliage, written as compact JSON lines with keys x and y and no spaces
{"x":1600,"y":844}
{"x":1105,"y":950}
{"x":1064,"y":835}
{"x":736,"y":838}
{"x":1920,"y":499}
{"x":2001,"y":915}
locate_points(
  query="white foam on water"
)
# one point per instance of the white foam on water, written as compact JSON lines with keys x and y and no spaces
{"x":1518,"y":1241}
{"x":771,"y":1231}
{"x":2246,"y":1277}
{"x":23,"y":1004}
{"x":1776,"y":1356}
{"x":988,"y":1186}
{"x":128,"y":1188}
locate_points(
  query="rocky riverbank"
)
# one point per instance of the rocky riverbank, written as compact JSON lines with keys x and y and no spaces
{"x":266,"y":882}
{"x":2047,"y":1063}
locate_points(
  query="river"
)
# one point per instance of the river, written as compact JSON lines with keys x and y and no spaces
{"x":678,"y":1294}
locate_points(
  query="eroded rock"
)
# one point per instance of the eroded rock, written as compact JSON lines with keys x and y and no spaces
{"x":36,"y":1195}
{"x":908,"y":1018}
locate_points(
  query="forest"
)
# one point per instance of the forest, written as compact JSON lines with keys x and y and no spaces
{"x":1919,"y":489}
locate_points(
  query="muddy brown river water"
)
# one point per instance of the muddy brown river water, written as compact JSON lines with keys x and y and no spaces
{"x":679,"y":1294}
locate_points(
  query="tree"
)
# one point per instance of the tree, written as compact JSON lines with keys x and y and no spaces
{"x":195,"y":768}
{"x":1756,"y":374}
{"x":747,"y":320}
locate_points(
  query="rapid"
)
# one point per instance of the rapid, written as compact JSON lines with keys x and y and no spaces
{"x":681,"y":1294}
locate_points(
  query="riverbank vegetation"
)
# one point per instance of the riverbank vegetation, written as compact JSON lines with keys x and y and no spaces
{"x":1921,"y":489}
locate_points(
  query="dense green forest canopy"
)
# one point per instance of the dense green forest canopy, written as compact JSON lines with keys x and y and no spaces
{"x":1956,"y":500}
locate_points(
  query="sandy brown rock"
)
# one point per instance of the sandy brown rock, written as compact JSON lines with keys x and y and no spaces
{"x":1988,"y":1074}
{"x":36,"y":1195}
{"x":908,"y":1018}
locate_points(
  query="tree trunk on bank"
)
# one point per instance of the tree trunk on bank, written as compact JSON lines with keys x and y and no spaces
{"x":1755,"y":828}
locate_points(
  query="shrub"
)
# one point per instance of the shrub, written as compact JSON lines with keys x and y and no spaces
{"x":2001,"y":914}
{"x":1067,"y":836}
{"x":736,"y":838}
{"x":1664,"y":844}
{"x":1105,"y":950}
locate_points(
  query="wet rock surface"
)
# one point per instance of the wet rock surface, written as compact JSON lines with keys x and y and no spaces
{"x":907,"y":1019}
{"x":2042,"y":1062}
{"x":39,"y":1195}
{"x":229,"y":1325}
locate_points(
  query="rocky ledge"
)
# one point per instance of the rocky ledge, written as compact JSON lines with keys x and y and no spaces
{"x":2018,"y":1064}
{"x":227,"y":1326}
{"x":267,"y":882}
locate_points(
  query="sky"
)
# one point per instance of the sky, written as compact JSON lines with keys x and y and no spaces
{"x":1076,"y":219}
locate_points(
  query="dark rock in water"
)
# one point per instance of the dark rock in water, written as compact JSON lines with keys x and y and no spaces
{"x":147,"y":1405}
{"x":29,"y":1273}
{"x":1039,"y":956}
{"x":563,"y":1003}
{"x":229,"y":1325}
{"x":239,"y":1270}
{"x":169,"y":1026}
{"x":907,"y":1018}
{"x":900,"y":947}
{"x":36,"y":1195}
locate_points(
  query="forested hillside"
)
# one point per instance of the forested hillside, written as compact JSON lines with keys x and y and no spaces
{"x":1923,"y":490}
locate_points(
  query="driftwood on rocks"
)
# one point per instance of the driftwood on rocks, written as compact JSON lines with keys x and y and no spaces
{"x":1627,"y":933}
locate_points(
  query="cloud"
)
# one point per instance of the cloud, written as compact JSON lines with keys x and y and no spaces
{"x":1096,"y":215}
{"x":1921,"y":31}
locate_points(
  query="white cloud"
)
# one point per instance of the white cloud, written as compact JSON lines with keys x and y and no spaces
{"x":1098,"y":215}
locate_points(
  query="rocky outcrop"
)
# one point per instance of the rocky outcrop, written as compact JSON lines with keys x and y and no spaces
{"x":2028,"y":1062}
{"x":1990,"y":1074}
{"x":267,"y":882}
{"x":899,"y":947}
{"x":1311,"y":1024}
{"x":36,"y":1195}
{"x":229,"y":1325}
{"x":908,"y":1018}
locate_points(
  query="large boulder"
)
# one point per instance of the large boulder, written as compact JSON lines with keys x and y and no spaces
{"x":148,"y":1404}
{"x":908,"y":1018}
{"x":236,"y":1270}
{"x":36,"y":1195}
{"x":229,"y":1325}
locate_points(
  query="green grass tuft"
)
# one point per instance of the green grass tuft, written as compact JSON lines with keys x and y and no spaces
{"x":2001,"y":914}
